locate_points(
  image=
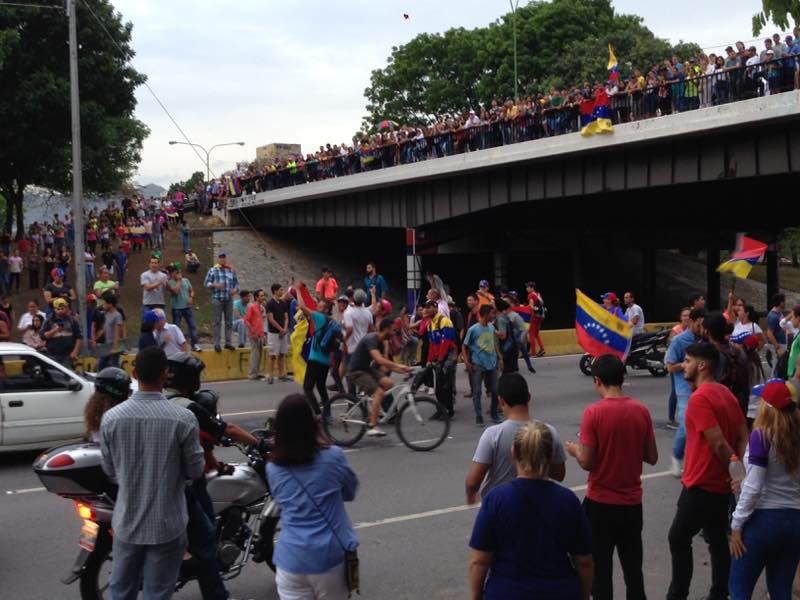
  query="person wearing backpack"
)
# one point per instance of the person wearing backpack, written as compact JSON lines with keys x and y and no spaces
{"x":319,"y":358}
{"x":732,"y":370}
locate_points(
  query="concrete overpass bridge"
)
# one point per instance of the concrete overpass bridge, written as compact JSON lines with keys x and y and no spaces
{"x":572,"y":211}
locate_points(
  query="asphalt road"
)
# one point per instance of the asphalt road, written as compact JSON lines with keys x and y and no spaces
{"x":409,"y":512}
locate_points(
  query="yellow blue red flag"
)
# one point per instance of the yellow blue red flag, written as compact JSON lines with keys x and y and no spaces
{"x":748,"y":253}
{"x":599,"y":331}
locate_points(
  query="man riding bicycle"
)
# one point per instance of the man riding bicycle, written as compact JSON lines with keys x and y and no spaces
{"x":369,"y":368}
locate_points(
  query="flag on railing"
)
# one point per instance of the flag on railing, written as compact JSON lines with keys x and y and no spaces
{"x":748,"y":253}
{"x":234,"y":187}
{"x":598,"y":331}
{"x":613,"y":66}
{"x":599,"y":121}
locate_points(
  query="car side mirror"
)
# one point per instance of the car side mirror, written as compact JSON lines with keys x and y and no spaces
{"x":74,"y":385}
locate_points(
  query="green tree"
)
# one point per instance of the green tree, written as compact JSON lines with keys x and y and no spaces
{"x":35,"y":126}
{"x":563,"y":42}
{"x":784,"y":13}
{"x":198,"y":177}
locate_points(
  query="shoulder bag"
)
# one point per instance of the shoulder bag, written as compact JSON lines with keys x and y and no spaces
{"x":351,"y":573}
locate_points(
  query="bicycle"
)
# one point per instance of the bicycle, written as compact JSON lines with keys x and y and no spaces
{"x":422,"y":422}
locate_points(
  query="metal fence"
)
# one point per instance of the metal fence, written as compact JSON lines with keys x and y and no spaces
{"x":668,"y":97}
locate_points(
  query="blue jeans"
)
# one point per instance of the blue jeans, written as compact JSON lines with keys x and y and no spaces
{"x":772,"y":539}
{"x":186,"y":313}
{"x":679,"y":443}
{"x":155,"y":567}
{"x":673,"y":398}
{"x":241,"y":331}
{"x":110,"y":360}
{"x":185,"y":242}
{"x":478,"y":376}
{"x":202,"y":543}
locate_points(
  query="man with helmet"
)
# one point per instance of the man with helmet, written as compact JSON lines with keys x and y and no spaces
{"x":183,"y":388}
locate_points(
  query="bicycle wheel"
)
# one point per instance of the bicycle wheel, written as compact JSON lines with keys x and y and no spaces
{"x":345,"y":420}
{"x":422,"y":424}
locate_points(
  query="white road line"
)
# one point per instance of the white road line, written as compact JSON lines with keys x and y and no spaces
{"x":463,"y":507}
{"x":25,"y":491}
{"x":266,"y":411}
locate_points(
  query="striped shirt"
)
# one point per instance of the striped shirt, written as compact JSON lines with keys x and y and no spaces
{"x":150,"y":447}
{"x":225,"y":276}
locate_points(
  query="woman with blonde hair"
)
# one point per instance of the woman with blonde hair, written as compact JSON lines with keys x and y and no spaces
{"x":531,"y":534}
{"x":765,"y":529}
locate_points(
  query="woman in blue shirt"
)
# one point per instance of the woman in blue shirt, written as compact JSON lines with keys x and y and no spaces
{"x":530,"y":532}
{"x":311,"y":481}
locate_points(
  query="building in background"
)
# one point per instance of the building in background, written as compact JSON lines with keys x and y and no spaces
{"x":273,"y":151}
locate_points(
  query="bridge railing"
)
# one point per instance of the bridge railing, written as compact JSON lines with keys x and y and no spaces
{"x":671,"y":96}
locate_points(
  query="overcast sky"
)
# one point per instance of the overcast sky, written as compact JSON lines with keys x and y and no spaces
{"x":262,"y":72}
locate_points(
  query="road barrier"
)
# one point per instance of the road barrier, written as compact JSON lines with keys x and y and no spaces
{"x":235,"y":364}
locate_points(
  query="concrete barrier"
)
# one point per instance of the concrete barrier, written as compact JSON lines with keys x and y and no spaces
{"x":235,"y":364}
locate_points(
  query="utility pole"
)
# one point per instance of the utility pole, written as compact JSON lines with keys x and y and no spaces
{"x":77,"y":176}
{"x":514,"y":28}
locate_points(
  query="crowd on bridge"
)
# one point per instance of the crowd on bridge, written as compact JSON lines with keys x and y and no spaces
{"x":676,"y":84}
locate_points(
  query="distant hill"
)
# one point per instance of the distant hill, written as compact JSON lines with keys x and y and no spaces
{"x":151,"y":190}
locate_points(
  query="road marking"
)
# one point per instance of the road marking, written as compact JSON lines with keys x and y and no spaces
{"x":25,"y":491}
{"x":266,"y":411}
{"x":463,"y":507}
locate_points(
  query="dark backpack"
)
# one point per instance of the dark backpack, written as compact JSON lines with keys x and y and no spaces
{"x":732,"y":372}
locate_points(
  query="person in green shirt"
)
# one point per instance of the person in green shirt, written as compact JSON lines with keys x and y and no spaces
{"x":795,"y":350}
{"x":104,"y":284}
{"x":182,"y":295}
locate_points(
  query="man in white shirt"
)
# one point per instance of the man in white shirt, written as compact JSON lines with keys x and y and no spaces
{"x":634,"y":313}
{"x":357,"y":321}
{"x":169,"y":337}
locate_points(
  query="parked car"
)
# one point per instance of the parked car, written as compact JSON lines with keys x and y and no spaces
{"x":41,"y":401}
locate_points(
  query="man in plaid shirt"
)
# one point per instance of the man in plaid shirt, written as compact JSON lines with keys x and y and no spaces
{"x":222,"y":281}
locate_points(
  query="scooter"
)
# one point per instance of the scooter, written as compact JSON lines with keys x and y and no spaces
{"x":647,"y":352}
{"x":247,"y":518}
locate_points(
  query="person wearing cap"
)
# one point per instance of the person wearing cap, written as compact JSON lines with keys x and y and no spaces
{"x":485,"y":297}
{"x":57,"y":288}
{"x":716,"y":434}
{"x":222,"y":281}
{"x":611,"y":304}
{"x":192,"y":261}
{"x":765,"y":528}
{"x":327,"y":287}
{"x":62,"y":334}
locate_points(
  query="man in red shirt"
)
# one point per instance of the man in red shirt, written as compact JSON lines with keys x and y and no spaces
{"x":327,"y":287}
{"x":716,"y":433}
{"x":254,"y":323}
{"x":616,"y":437}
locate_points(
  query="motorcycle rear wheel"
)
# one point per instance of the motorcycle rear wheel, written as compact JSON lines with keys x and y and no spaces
{"x":93,"y":582}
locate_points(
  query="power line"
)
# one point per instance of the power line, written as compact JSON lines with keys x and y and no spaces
{"x":47,"y":6}
{"x":146,"y":85}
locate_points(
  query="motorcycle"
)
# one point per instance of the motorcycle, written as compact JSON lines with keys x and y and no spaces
{"x":247,"y":518}
{"x":647,"y":352}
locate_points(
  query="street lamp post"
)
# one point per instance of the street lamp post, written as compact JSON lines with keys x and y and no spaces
{"x":207,"y":152}
{"x":514,"y":6}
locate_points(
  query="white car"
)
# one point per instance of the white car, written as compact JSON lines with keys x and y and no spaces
{"x":41,"y":401}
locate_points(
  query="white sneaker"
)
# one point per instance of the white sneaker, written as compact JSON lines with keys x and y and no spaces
{"x":376,"y":432}
{"x":676,"y":468}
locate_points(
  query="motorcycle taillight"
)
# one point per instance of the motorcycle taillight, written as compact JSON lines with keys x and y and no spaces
{"x":60,"y":460}
{"x":85,"y":511}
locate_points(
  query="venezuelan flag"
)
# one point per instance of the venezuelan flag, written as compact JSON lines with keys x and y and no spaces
{"x":749,"y":252}
{"x":525,"y":313}
{"x":300,"y":342}
{"x":598,"y":331}
{"x":613,"y":65}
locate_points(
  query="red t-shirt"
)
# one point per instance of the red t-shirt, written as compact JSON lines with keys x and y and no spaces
{"x":617,"y":428}
{"x":23,"y":245}
{"x":710,"y":405}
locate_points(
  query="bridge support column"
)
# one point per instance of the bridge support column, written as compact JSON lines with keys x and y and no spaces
{"x":773,"y":278}
{"x":413,"y":270}
{"x":712,"y":276}
{"x":577,"y":276}
{"x":500,"y":270}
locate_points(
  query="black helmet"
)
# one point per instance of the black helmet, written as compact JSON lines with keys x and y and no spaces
{"x":114,"y":382}
{"x":208,"y":399}
{"x":184,"y":372}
